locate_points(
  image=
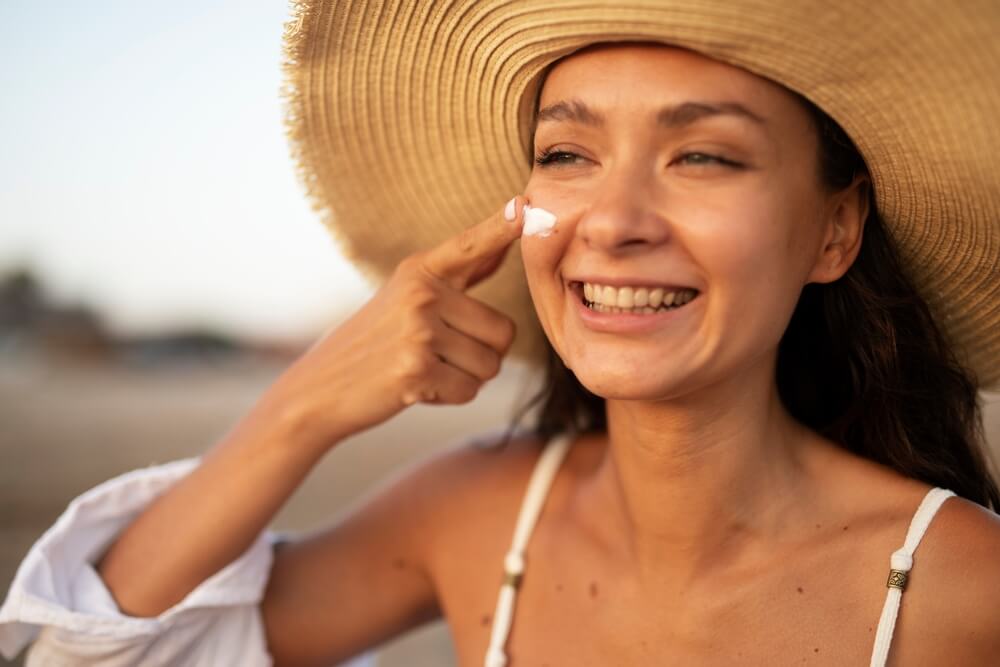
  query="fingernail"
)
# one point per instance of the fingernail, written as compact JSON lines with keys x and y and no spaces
{"x":510,"y":210}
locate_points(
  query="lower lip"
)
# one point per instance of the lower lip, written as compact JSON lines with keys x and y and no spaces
{"x":626,"y":323}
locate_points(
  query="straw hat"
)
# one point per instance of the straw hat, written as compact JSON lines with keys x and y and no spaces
{"x":410,"y":120}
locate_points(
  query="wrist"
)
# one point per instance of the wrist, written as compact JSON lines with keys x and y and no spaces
{"x":296,"y":422}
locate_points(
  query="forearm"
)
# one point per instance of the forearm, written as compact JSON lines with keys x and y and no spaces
{"x":420,"y":338}
{"x":210,"y":517}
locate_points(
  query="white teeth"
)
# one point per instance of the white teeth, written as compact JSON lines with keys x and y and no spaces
{"x":625,"y":297}
{"x":609,"y":299}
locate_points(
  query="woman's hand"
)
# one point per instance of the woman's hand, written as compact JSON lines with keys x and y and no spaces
{"x":419,"y":339}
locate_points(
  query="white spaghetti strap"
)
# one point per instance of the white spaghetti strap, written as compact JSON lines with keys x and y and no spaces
{"x":538,"y":488}
{"x":900,"y":565}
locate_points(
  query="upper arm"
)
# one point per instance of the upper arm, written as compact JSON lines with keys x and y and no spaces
{"x":949,"y":611}
{"x":367,"y":578}
{"x":975,"y":541}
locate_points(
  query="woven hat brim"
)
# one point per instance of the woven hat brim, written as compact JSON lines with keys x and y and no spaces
{"x":411,"y":120}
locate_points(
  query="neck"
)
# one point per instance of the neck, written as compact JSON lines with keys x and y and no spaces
{"x":703,"y":480}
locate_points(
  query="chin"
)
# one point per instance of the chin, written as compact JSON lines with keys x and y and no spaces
{"x":626,"y":381}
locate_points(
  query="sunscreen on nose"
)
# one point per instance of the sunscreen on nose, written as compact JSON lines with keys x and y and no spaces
{"x":538,"y":222}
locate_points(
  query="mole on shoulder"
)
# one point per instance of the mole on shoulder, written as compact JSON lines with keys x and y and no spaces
{"x":485,"y":620}
{"x":799,"y":589}
{"x":816,"y":650}
{"x":845,"y":528}
{"x":399,"y":563}
{"x":593,"y":589}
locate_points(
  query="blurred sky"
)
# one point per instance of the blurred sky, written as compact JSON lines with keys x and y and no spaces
{"x":144,"y":169}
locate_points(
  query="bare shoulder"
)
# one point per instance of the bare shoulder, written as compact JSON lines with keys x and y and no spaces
{"x":387,"y":558}
{"x":949,"y":607}
{"x":489,"y":474}
{"x":947,"y":615}
{"x":472,"y":482}
{"x":469,"y":495}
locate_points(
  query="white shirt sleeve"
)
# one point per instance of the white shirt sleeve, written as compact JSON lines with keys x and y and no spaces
{"x":58,"y":599}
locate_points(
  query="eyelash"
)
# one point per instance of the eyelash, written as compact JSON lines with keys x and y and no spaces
{"x":549,"y":157}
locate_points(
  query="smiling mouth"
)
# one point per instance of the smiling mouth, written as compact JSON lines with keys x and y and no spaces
{"x":632,"y":300}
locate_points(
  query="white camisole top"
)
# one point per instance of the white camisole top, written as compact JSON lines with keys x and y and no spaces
{"x":545,"y":471}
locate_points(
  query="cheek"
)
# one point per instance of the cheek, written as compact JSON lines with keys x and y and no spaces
{"x":541,"y":257}
{"x":542,"y":254}
{"x":752,"y":248}
{"x":747,"y":237}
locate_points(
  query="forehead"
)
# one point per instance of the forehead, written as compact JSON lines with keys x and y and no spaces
{"x":636,"y":77}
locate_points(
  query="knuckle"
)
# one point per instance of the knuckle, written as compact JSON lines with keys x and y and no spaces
{"x":420,"y":333}
{"x":410,"y":263}
{"x":416,"y":327}
{"x":465,"y":242}
{"x":418,"y":294}
{"x":416,"y":364}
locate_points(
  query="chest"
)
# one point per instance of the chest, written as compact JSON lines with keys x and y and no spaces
{"x":577,"y":607}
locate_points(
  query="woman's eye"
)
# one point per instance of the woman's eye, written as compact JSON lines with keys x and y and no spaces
{"x":556,"y":158}
{"x":703,"y":159}
{"x":551,"y":158}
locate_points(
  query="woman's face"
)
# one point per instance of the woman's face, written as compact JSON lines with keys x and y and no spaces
{"x":669,"y":171}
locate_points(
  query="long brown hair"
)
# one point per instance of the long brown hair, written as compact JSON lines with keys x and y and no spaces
{"x":862,"y":362}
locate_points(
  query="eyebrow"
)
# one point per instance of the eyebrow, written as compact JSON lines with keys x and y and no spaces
{"x":670,"y":117}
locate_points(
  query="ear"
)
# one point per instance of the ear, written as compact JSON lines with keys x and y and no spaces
{"x":843,"y":229}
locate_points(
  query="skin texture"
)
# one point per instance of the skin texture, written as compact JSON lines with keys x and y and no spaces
{"x":705,"y":527}
{"x":698,"y":440}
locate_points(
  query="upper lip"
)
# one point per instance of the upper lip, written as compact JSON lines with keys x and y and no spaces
{"x":629,"y":281}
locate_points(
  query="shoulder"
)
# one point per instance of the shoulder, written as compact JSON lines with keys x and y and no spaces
{"x":441,"y":496}
{"x":954,"y":586}
{"x":465,"y":500}
{"x":476,"y":481}
{"x":964,"y":545}
{"x":490,"y":472}
{"x":947,"y":613}
{"x":477,"y":466}
{"x":974,"y":529}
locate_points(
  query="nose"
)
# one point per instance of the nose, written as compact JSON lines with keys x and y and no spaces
{"x":621,"y":217}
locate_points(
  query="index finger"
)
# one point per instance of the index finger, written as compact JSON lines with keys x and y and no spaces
{"x":475,"y":252}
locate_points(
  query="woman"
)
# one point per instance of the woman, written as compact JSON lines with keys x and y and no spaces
{"x":729,"y":473}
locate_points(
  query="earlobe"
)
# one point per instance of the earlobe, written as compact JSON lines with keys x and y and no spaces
{"x":845,"y":229}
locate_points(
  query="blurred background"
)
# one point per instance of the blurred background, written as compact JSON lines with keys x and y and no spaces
{"x":159,"y":265}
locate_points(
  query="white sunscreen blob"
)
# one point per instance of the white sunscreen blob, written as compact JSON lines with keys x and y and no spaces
{"x":537,"y":221}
